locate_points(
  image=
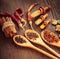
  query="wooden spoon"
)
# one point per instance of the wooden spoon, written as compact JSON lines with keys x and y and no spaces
{"x":33,"y":36}
{"x":22,"y":41}
{"x":57,"y":44}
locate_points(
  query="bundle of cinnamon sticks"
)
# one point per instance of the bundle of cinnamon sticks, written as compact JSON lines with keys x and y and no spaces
{"x":8,"y":26}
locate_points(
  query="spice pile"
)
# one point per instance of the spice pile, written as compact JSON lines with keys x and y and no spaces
{"x":50,"y":36}
{"x":20,"y":40}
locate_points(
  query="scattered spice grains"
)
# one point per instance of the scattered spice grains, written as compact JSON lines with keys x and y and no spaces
{"x":50,"y":36}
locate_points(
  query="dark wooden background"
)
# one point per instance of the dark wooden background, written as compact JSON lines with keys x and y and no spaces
{"x":8,"y":50}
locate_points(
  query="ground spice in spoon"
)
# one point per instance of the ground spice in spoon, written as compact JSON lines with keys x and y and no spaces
{"x":20,"y":40}
{"x":32,"y":35}
{"x":50,"y":36}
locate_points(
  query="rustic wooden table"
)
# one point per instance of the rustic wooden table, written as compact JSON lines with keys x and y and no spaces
{"x":8,"y":50}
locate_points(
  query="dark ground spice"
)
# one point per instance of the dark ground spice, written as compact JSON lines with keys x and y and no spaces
{"x":20,"y":40}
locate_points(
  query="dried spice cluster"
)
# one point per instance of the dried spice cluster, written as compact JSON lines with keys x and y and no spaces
{"x":8,"y":26}
{"x":50,"y":36}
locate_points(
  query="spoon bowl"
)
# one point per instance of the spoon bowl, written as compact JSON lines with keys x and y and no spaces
{"x":22,"y":41}
{"x":57,"y":43}
{"x":34,"y":37}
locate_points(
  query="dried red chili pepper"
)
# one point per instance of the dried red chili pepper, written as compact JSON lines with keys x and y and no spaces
{"x":18,"y":14}
{"x":29,"y":13}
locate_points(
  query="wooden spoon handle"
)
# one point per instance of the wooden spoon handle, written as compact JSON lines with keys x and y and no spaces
{"x":50,"y":49}
{"x":43,"y":52}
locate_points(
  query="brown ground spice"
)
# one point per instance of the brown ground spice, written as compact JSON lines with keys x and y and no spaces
{"x":50,"y":37}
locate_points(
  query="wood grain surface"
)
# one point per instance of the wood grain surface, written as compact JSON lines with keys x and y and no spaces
{"x":9,"y":50}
